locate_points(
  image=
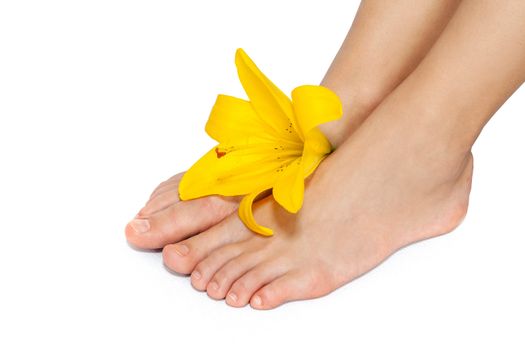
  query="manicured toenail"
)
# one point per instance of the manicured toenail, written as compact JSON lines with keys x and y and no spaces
{"x":196,"y":275}
{"x":214,"y":286}
{"x":257,"y":301}
{"x":232,"y":296}
{"x":182,"y":249}
{"x":140,"y":225}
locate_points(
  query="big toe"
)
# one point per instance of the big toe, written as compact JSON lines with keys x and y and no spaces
{"x":178,"y":221}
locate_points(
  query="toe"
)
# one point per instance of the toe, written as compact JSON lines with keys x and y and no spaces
{"x":159,"y":202}
{"x":184,"y":256}
{"x":291,"y":286}
{"x":244,"y":287}
{"x":232,"y":270}
{"x":178,"y":221}
{"x":172,"y":182}
{"x":206,"y":269}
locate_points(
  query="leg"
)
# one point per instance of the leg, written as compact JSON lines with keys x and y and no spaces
{"x":386,"y":41}
{"x":403,"y":176}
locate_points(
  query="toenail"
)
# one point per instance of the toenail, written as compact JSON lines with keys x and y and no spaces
{"x":140,"y":225}
{"x":182,"y":249}
{"x":196,"y":275}
{"x":232,"y":296}
{"x":257,"y":301}
{"x":214,"y":286}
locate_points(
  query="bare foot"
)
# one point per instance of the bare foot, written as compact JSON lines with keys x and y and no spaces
{"x":165,"y":219}
{"x":385,"y":188}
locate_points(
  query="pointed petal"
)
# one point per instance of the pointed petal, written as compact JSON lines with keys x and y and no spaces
{"x":315,"y":105}
{"x":246,"y":213}
{"x":233,"y":172}
{"x":272,"y":105}
{"x":233,"y":120}
{"x":288,"y":191}
{"x":316,"y":148}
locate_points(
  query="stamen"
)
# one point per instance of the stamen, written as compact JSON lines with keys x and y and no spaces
{"x":219,"y":153}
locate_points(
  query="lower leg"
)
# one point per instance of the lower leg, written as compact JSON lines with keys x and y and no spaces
{"x":473,"y":68}
{"x":403,"y":176}
{"x":385,"y":43}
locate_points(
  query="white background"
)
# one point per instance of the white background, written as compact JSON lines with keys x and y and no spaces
{"x":102,"y":100}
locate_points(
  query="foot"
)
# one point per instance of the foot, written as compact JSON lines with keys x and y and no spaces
{"x":385,"y":188}
{"x":165,"y":219}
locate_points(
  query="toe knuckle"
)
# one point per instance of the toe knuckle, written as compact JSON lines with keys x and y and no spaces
{"x":233,"y":250}
{"x":240,"y":285}
{"x":184,"y":267}
{"x":221,"y":254}
{"x":221,"y":277}
{"x":267,"y":296}
{"x":319,"y":282}
{"x":202,"y":268}
{"x":251,"y":278}
{"x":199,"y":270}
{"x":208,"y":203}
{"x":196,"y":284}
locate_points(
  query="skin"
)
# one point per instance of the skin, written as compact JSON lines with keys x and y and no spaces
{"x":403,"y":176}
{"x":372,"y":61}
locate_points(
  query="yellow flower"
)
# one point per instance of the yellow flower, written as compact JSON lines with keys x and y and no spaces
{"x":267,"y":143}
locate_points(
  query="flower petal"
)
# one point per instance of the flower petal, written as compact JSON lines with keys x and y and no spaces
{"x":246,"y":213}
{"x":288,"y":191}
{"x":315,"y":105}
{"x":316,"y":148}
{"x":272,"y":105}
{"x":234,"y":172}
{"x":233,"y":120}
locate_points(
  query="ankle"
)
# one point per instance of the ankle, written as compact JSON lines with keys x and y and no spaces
{"x":415,"y":139}
{"x":357,"y":106}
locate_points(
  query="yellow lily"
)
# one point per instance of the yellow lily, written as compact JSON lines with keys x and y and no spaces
{"x":267,"y":143}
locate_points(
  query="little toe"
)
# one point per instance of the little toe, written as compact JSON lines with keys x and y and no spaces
{"x":244,"y":287}
{"x":184,"y":256}
{"x":178,"y":221}
{"x":226,"y":275}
